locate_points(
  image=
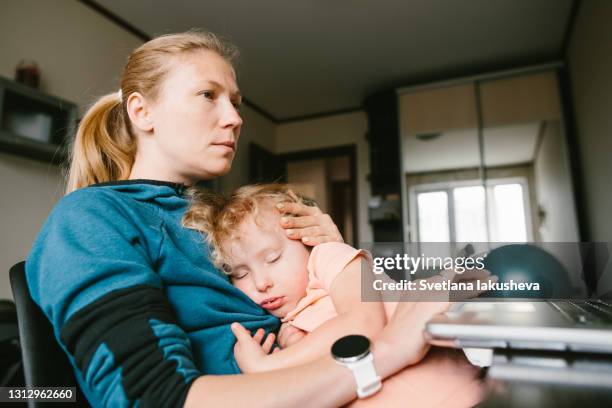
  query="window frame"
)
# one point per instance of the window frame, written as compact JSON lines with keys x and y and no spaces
{"x":449,"y":186}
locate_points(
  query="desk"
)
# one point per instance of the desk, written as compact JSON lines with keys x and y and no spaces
{"x":549,"y":379}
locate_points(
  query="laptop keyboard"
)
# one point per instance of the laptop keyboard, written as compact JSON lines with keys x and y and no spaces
{"x":584,"y":311}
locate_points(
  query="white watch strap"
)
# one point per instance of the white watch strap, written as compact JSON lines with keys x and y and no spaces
{"x":368,"y":381}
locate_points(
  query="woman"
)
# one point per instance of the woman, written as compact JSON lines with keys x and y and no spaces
{"x":133,"y":299}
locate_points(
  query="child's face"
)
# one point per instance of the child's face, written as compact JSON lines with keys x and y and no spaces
{"x":266,"y":265}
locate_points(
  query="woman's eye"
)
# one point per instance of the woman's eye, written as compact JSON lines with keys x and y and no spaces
{"x":208,"y":94}
{"x":237,"y":105}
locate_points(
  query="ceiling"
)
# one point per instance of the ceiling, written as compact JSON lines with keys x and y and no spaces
{"x":309,"y":57}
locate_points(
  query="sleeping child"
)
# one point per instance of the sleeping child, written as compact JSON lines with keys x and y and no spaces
{"x":316,"y":292}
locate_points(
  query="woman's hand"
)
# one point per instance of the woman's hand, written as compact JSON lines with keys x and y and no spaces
{"x":308,"y":224}
{"x":289,"y":335}
{"x":404,"y":337}
{"x":250,"y":353}
{"x":472,"y":276}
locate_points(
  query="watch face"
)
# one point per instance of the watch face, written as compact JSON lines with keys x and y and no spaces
{"x":350,"y":348}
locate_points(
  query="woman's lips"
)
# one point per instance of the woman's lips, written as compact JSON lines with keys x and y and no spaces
{"x":230,"y":145}
{"x":273,"y":303}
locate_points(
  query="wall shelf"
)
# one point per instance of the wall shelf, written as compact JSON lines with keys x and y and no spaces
{"x":34,"y":124}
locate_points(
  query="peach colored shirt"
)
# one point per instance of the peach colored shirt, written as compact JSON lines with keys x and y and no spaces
{"x":326,"y":261}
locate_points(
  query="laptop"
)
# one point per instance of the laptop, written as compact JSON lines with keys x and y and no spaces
{"x":580,"y":325}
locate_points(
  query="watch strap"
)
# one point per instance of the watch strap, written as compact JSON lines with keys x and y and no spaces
{"x":368,"y":381}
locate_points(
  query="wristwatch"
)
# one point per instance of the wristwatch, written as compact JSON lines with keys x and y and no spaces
{"x":353,"y":351}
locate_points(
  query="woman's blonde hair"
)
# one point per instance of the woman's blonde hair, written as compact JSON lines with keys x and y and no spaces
{"x":220,"y":216}
{"x":104,"y":147}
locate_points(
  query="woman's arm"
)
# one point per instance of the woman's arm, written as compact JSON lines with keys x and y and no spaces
{"x":354,"y":317}
{"x":320,"y":383}
{"x":323,"y":382}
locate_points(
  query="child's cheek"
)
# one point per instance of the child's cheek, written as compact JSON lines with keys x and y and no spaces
{"x":243,"y":286}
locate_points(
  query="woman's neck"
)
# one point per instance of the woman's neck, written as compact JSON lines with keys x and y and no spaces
{"x":144,"y":169}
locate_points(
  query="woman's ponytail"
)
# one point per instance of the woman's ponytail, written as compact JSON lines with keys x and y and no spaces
{"x":103,"y":149}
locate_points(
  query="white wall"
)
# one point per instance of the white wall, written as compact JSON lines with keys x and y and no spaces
{"x":590,"y":64}
{"x":30,"y":189}
{"x":553,"y":186}
{"x":349,"y":128}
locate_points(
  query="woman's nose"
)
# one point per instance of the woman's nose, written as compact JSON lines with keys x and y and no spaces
{"x":231,"y":117}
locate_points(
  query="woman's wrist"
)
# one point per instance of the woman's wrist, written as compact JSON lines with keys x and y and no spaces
{"x":384,"y":362}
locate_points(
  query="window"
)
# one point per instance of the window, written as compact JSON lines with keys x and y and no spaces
{"x":433,"y":216}
{"x":458,"y":212}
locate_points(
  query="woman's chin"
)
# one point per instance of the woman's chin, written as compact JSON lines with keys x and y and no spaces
{"x":221,"y":169}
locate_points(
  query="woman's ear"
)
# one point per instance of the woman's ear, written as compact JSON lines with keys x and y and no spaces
{"x":139,"y":112}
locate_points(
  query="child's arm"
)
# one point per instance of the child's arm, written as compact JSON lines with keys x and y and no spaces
{"x":354,"y":317}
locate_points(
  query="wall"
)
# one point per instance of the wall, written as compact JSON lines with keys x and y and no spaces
{"x":553,"y":187}
{"x":349,"y":128}
{"x":30,"y":189}
{"x":590,"y":64}
{"x":590,"y":67}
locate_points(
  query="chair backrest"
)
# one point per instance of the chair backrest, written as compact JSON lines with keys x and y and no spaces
{"x":11,"y":369}
{"x":44,"y":362}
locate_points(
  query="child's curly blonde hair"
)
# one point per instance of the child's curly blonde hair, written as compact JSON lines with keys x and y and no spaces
{"x":219,"y":216}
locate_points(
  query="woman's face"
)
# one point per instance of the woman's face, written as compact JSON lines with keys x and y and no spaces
{"x":267,"y":266}
{"x":195,"y":118}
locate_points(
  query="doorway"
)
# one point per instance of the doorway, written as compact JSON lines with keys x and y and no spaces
{"x":327,"y":176}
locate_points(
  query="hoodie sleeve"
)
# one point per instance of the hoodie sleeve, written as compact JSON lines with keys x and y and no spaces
{"x":92,"y":272}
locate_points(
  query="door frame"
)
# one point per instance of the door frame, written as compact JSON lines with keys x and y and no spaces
{"x":349,"y":150}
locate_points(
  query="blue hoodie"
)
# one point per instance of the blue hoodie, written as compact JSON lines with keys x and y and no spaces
{"x":132,"y":295}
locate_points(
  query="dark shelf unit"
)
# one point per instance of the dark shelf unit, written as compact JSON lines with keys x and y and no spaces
{"x":385,"y":165}
{"x":34,"y":124}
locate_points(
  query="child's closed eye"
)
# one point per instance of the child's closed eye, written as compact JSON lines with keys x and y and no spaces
{"x":274,"y":258}
{"x":238,"y":277}
{"x":239,"y":274}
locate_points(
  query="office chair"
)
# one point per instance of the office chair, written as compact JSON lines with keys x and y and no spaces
{"x":44,"y":362}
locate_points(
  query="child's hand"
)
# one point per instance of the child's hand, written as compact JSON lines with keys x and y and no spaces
{"x":250,"y":352}
{"x":288,"y":335}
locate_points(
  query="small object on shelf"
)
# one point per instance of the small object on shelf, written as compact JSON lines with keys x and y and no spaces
{"x":384,"y":208}
{"x":28,"y":73}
